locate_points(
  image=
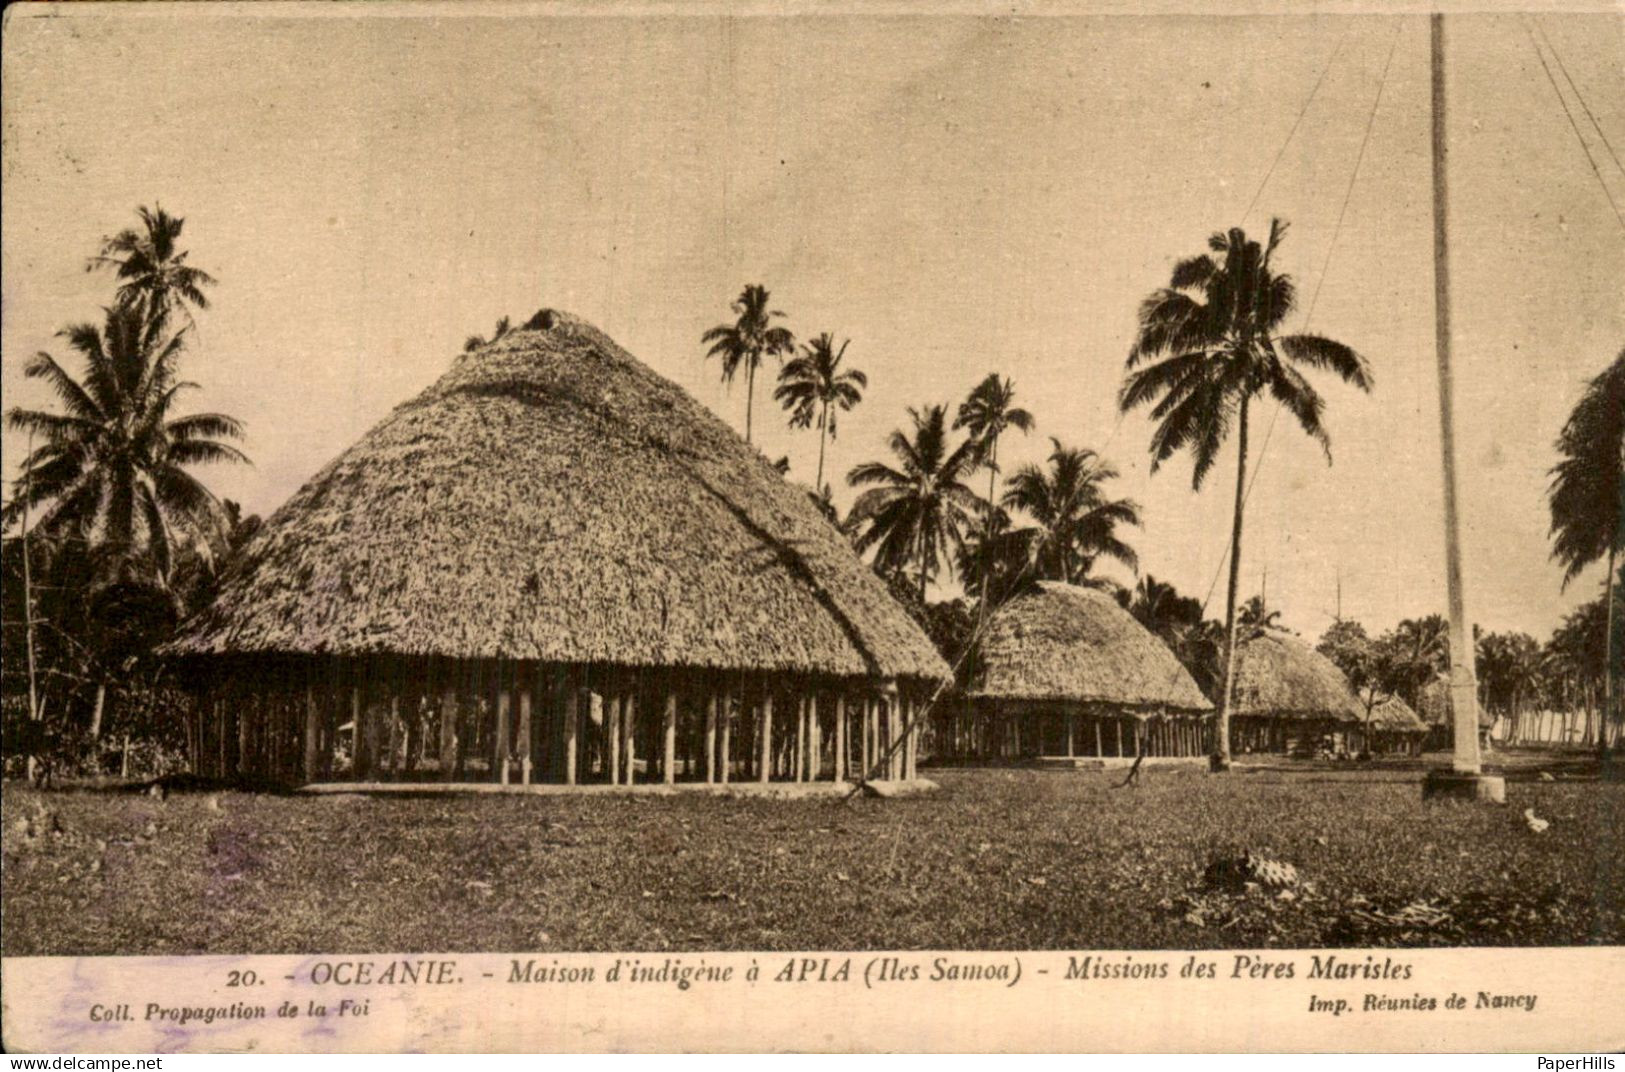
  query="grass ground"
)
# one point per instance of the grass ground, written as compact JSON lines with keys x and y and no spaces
{"x":997,"y":859}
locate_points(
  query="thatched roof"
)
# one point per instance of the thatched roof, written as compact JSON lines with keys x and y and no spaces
{"x":551,"y":498}
{"x":1068,"y":644}
{"x":1394,"y":715}
{"x":1280,"y":677}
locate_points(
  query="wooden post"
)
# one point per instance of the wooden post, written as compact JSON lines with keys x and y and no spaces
{"x":797,"y":766}
{"x":245,"y":740}
{"x":391,"y":764}
{"x":360,"y":745}
{"x":523,"y":733}
{"x":842,"y":759}
{"x":711,"y":739}
{"x":894,"y":727}
{"x":865,"y":737}
{"x":629,"y":736}
{"x":612,"y":729}
{"x":815,"y":740}
{"x":220,"y":717}
{"x":313,"y":735}
{"x":448,"y":733}
{"x":499,"y":737}
{"x":668,"y":767}
{"x":572,"y":698}
{"x":725,"y":749}
{"x":766,"y":770}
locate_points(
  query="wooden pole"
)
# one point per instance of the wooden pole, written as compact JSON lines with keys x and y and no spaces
{"x":766,"y":770}
{"x":360,"y":746}
{"x":391,"y":763}
{"x":842,"y":759}
{"x":612,"y":724}
{"x":725,"y":749}
{"x":866,"y":716}
{"x":1463,"y":687}
{"x":798,"y":766}
{"x":448,"y":732}
{"x":313,"y":734}
{"x":247,"y":708}
{"x":572,"y":699}
{"x":893,"y":727}
{"x":668,"y":767}
{"x":523,"y":733}
{"x":629,"y":710}
{"x":711,"y":739}
{"x":815,"y":740}
{"x":499,"y":736}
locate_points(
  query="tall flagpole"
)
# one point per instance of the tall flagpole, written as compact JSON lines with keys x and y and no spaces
{"x":1465,"y":777}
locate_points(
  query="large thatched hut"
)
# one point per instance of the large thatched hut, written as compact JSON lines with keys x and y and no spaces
{"x":1064,"y":671}
{"x":553,"y":565}
{"x":1289,"y":698}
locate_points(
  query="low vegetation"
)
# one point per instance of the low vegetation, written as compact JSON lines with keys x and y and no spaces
{"x":998,"y":859}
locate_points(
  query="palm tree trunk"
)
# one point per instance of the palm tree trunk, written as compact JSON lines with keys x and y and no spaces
{"x":987,"y":536}
{"x":924,"y":537}
{"x":823,"y":423}
{"x":1610,"y":667}
{"x":1221,"y":754}
{"x":750,"y":395}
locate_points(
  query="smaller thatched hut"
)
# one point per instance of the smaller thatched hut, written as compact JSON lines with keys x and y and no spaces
{"x":1290,"y":698}
{"x":1393,"y":728}
{"x":1064,"y":671}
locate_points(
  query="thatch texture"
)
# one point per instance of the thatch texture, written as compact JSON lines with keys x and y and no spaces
{"x":1394,"y":715}
{"x":1279,"y":677}
{"x":552,"y":499}
{"x":1060,"y":643}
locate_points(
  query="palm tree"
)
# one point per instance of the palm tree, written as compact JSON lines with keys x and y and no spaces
{"x":996,"y":561}
{"x":474,"y":342}
{"x":1159,"y":607}
{"x":918,"y":511}
{"x":812,"y":383}
{"x":1207,"y":344}
{"x":155,"y":278}
{"x":987,"y":414}
{"x":112,"y":468}
{"x":751,"y":336}
{"x":1077,"y":523}
{"x":1587,"y":498}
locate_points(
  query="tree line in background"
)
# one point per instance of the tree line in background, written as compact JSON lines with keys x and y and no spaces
{"x":1209,"y":346}
{"x":112,"y":539}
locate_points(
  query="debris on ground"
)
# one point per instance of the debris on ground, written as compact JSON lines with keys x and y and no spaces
{"x":1236,"y":873}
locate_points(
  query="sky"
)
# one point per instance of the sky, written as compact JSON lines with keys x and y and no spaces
{"x":957,"y":194}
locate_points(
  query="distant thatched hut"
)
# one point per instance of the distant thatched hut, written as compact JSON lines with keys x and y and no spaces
{"x":1289,"y":698}
{"x":1392,"y":727}
{"x":1065,"y":671}
{"x":552,"y":564}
